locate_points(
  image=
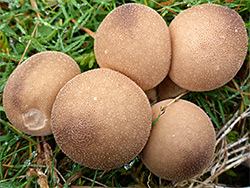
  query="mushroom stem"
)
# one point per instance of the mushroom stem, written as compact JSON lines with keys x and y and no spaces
{"x":91,"y":33}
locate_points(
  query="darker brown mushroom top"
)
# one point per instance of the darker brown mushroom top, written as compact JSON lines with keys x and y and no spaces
{"x":134,"y":40}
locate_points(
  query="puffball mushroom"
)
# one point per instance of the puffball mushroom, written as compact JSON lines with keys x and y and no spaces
{"x":182,"y":141}
{"x":209,"y":45}
{"x":102,"y":125}
{"x":134,"y":40}
{"x":31,"y":89}
{"x":168,"y":89}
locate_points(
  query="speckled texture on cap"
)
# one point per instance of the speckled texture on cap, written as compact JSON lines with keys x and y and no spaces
{"x":134,"y":40}
{"x":168,"y":89}
{"x":182,"y":141}
{"x":209,"y":45}
{"x":31,"y":89}
{"x":101,"y":119}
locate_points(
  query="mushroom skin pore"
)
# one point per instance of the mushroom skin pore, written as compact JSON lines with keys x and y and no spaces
{"x":182,"y":141}
{"x":209,"y":45}
{"x":134,"y":40}
{"x":32,"y":87}
{"x":103,"y":125}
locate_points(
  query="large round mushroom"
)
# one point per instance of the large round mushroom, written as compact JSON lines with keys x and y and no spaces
{"x":31,"y":89}
{"x":209,"y":45}
{"x":182,"y":141}
{"x":102,"y":125}
{"x":134,"y":40}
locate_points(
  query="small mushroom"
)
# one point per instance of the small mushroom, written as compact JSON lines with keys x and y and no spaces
{"x":168,"y":89}
{"x":134,"y":40}
{"x":182,"y":141}
{"x":209,"y":45}
{"x":31,"y":89}
{"x":102,"y":125}
{"x":152,"y":95}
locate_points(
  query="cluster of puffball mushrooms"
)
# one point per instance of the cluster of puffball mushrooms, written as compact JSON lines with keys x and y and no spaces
{"x":102,"y":118}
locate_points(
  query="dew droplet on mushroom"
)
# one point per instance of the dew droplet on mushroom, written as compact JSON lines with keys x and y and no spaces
{"x":32,"y":88}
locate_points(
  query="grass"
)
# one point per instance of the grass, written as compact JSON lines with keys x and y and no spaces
{"x":28,"y":27}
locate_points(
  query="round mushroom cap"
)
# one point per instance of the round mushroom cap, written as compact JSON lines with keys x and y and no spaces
{"x":168,"y":89}
{"x":134,"y":40}
{"x":209,"y":45}
{"x":101,"y":119}
{"x":31,"y":89}
{"x":182,"y":141}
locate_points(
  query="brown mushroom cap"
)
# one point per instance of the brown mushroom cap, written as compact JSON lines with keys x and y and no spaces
{"x":168,"y":89}
{"x":209,"y":45}
{"x":102,"y":125}
{"x":182,"y":141}
{"x":134,"y":40}
{"x":31,"y":89}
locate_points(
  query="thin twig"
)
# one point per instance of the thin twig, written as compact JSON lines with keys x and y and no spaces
{"x":59,"y":174}
{"x":162,"y":110}
{"x":26,"y":49}
{"x":237,"y":143}
{"x":10,"y":179}
{"x":34,"y":5}
{"x":236,"y":163}
{"x":148,"y":182}
{"x":91,"y":33}
{"x":89,"y":179}
{"x":222,"y":130}
{"x":165,"y":8}
{"x":174,"y":100}
{"x":239,"y":6}
{"x":246,"y":113}
{"x":243,"y":148}
{"x":74,"y":177}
